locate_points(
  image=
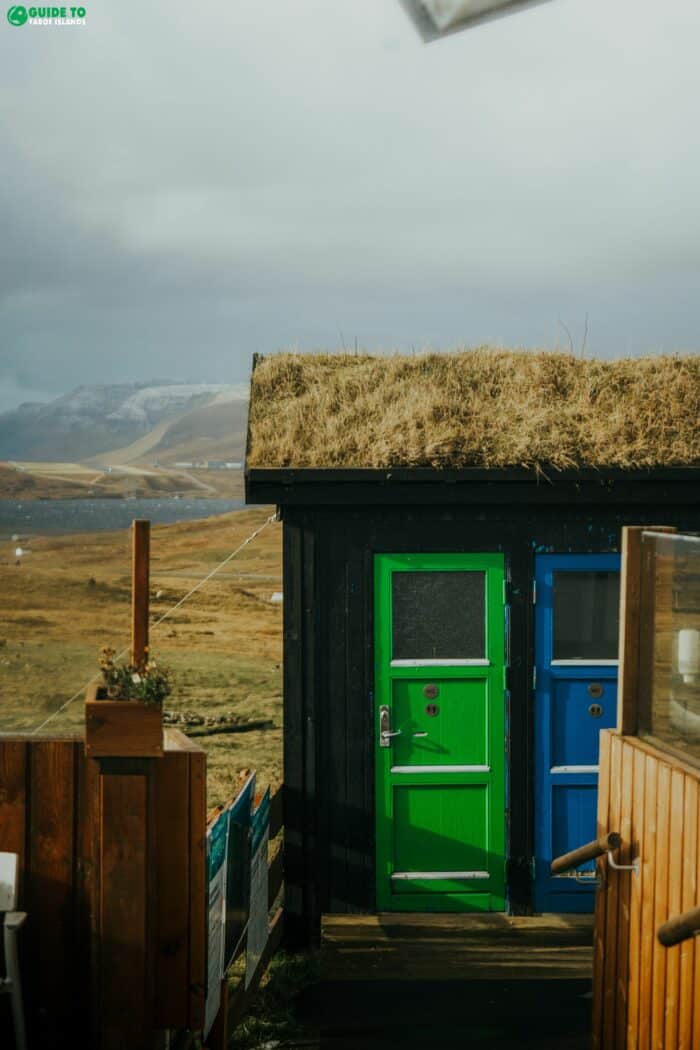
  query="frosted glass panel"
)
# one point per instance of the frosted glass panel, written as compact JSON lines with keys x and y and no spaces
{"x":438,"y":615}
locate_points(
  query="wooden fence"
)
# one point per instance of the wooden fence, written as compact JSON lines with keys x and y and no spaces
{"x":646,"y":995}
{"x":112,"y":875}
{"x":236,"y":998}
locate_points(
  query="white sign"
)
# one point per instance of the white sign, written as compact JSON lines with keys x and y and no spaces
{"x":257,"y":921}
{"x":217,"y":841}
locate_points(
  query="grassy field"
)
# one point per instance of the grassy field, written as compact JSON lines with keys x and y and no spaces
{"x":34,"y":480}
{"x":71,"y":596}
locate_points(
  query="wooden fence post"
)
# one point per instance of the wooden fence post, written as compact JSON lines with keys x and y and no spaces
{"x":141,"y":541}
{"x":126,"y":831}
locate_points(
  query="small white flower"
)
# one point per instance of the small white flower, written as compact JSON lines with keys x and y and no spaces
{"x":136,"y":678}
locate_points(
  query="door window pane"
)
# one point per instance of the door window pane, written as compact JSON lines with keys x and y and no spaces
{"x":586,"y":615}
{"x":438,"y":615}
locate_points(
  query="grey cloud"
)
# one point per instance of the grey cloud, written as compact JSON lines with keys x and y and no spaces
{"x":182,"y":188}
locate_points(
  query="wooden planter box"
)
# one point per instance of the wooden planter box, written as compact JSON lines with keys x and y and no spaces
{"x":122,"y":728}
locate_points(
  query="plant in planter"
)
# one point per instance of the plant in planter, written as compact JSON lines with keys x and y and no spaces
{"x":151,"y":683}
{"x":123,"y":712}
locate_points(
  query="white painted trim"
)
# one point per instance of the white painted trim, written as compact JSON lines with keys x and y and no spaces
{"x":440,"y":663}
{"x":441,"y":769}
{"x":574,"y":769}
{"x":443,"y":876}
{"x":584,"y":663}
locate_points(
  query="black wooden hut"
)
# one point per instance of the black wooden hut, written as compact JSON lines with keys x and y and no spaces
{"x":451,"y":559}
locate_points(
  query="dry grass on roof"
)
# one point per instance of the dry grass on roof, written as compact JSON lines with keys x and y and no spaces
{"x":474,"y":408}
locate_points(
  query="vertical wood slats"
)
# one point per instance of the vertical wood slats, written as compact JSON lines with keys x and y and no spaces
{"x":294,"y":712}
{"x":13,"y":799}
{"x":659,"y":904}
{"x":312,"y":711}
{"x":49,"y":870}
{"x":674,"y":900}
{"x":612,"y":893}
{"x":599,"y":930}
{"x":337,"y":758}
{"x":625,"y":853}
{"x":82,"y":836}
{"x":172,"y":800}
{"x":637,"y":849}
{"x":689,"y":898}
{"x":198,"y":888}
{"x":630,"y":593}
{"x":645,"y":996}
{"x":124,"y":950}
{"x":630,"y":608}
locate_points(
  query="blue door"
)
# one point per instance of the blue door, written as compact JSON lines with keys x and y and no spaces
{"x":576,"y":638}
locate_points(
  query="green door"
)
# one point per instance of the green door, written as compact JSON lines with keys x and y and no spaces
{"x":439,"y":730}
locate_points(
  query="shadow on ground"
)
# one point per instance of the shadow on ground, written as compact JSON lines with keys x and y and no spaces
{"x":527,"y":1015}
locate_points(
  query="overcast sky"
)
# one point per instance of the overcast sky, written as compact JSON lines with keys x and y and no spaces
{"x":185,"y":184}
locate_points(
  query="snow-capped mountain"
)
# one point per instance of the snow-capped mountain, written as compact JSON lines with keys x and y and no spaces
{"x":94,"y":419}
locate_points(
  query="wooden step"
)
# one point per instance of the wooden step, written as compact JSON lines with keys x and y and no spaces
{"x":456,"y":947}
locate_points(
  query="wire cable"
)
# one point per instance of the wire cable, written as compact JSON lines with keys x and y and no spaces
{"x":158,"y":622}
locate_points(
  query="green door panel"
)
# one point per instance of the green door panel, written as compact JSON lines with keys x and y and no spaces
{"x":456,"y":721}
{"x":439,"y":828}
{"x":440,"y":820}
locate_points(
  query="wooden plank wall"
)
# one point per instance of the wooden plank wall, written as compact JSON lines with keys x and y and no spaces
{"x":329,"y":735}
{"x":646,"y":997}
{"x":80,"y":837}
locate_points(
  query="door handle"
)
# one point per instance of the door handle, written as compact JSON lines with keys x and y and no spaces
{"x":386,"y":733}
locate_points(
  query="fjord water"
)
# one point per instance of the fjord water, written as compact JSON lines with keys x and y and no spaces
{"x":22,"y":517}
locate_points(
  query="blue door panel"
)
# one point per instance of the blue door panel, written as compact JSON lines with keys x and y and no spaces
{"x":574,"y":700}
{"x":573,"y":816}
{"x":575,"y":732}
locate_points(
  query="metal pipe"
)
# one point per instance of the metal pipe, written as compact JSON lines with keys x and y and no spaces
{"x":590,"y":851}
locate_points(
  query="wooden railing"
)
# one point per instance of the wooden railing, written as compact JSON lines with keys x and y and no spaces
{"x":679,"y":928}
{"x":598,"y":848}
{"x":236,"y":998}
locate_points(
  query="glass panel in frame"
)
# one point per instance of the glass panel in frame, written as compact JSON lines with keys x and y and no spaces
{"x":438,"y":615}
{"x":669,"y":654}
{"x":586,"y":615}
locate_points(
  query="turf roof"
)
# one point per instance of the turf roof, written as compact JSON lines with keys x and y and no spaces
{"x":474,"y":408}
